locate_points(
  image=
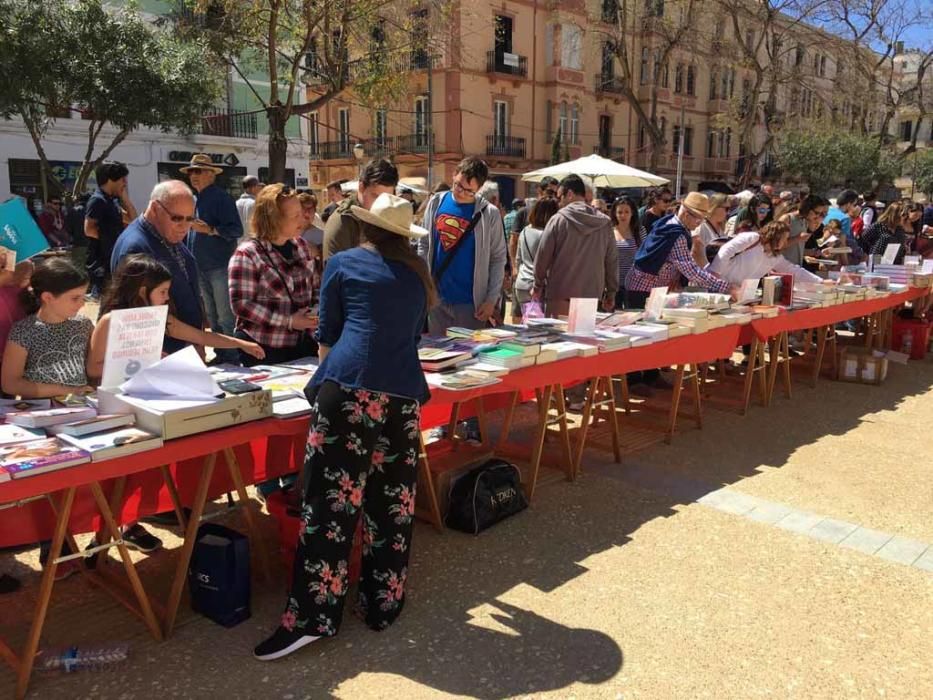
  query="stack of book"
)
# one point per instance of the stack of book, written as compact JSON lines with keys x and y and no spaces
{"x":605,"y":340}
{"x":461,"y":380}
{"x":698,"y":300}
{"x":653,"y":332}
{"x":38,"y":457}
{"x":695,"y":319}
{"x":899,"y":274}
{"x":436,"y":359}
{"x":514,"y":357}
{"x":570,"y":348}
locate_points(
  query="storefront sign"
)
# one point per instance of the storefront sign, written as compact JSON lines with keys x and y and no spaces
{"x":221,"y":159}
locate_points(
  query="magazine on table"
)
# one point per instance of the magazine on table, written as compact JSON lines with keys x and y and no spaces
{"x":38,"y":457}
{"x":114,"y":443}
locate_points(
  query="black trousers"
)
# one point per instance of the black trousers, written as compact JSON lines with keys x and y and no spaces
{"x":360,"y":462}
{"x":275,"y":356}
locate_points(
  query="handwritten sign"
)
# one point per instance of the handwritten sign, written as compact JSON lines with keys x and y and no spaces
{"x":134,"y":342}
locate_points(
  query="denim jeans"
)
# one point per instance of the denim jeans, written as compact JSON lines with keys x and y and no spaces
{"x":216,"y":296}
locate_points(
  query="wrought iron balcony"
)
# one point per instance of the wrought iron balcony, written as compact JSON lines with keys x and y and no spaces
{"x":507,"y":63}
{"x":498,"y":145}
{"x":605,"y":83}
{"x":238,"y":125}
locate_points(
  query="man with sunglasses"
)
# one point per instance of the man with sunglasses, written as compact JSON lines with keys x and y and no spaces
{"x":213,"y":238}
{"x":52,"y":222}
{"x":160,"y":233}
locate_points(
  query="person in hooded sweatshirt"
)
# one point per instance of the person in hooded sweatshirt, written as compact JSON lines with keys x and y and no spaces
{"x":577,"y":256}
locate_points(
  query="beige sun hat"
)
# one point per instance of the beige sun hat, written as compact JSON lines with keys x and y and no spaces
{"x":391,"y":213}
{"x":697,"y":202}
{"x":202,"y":161}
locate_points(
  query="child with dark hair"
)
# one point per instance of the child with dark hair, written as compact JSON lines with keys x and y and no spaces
{"x":46,"y":351}
{"x":143,"y":281}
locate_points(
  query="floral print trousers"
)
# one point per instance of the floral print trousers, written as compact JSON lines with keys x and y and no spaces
{"x":360,"y":461}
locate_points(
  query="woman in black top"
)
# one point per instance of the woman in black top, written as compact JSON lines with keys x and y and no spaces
{"x":888,"y":229}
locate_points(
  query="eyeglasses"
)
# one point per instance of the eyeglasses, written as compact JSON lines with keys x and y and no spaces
{"x":461,"y":188}
{"x":176,"y":218}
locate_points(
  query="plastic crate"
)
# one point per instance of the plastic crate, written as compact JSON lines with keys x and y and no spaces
{"x":920,"y":330}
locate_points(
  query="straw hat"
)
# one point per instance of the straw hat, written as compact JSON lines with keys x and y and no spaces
{"x":697,"y":203}
{"x":391,"y":213}
{"x":202,"y":161}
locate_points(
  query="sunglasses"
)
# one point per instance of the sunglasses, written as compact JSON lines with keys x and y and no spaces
{"x":176,"y":218}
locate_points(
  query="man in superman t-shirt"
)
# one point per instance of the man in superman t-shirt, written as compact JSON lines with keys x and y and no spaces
{"x":450,"y":223}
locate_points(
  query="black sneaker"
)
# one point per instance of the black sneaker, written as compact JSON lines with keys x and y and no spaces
{"x":141,"y":539}
{"x":166,"y":519}
{"x":281,"y":644}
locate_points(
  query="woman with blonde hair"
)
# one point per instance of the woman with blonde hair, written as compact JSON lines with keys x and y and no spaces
{"x":271,"y":280}
{"x":752,"y":255}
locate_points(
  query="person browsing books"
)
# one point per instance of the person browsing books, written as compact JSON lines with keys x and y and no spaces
{"x":143,"y":281}
{"x":752,"y":255}
{"x":271,"y":280}
{"x":160,"y":233}
{"x":46,"y":352}
{"x":362,"y":451}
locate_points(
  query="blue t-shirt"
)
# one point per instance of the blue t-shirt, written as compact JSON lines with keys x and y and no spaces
{"x":845,"y":223}
{"x":217,"y":208}
{"x":372,"y":313}
{"x":451,"y":220}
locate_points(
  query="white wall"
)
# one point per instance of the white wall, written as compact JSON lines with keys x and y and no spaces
{"x":142,"y":151}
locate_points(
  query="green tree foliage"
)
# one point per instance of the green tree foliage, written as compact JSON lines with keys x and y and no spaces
{"x":555,"y":148}
{"x":827,"y":159}
{"x":112,"y":68}
{"x":923,"y":172}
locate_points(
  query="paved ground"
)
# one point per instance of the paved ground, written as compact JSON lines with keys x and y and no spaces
{"x":784,"y":554}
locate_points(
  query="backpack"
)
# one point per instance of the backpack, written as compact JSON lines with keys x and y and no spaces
{"x":485,"y":495}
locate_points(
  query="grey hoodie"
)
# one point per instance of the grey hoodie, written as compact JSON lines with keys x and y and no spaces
{"x":576,"y":257}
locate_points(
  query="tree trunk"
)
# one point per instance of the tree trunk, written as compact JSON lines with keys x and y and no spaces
{"x":278,"y":144}
{"x":44,"y":170}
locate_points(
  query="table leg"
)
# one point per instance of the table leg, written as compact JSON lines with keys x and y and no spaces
{"x":452,"y":423}
{"x":131,"y":573}
{"x":697,"y":400}
{"x":9,"y":656}
{"x":820,"y":352}
{"x":248,"y":504}
{"x":750,"y":374}
{"x":481,"y":421}
{"x":173,"y":494}
{"x":610,"y":403}
{"x":544,"y":402}
{"x":675,"y":403}
{"x":191,"y":533}
{"x":507,"y":423}
{"x":102,"y":536}
{"x":45,"y":593}
{"x":785,"y":358}
{"x":561,"y":401}
{"x":425,"y":466}
{"x":623,"y":390}
{"x":584,"y":424}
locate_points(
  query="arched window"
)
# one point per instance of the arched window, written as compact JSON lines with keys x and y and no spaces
{"x":643,"y":73}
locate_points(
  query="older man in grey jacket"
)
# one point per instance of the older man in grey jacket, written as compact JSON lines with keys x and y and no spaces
{"x":465,"y":252}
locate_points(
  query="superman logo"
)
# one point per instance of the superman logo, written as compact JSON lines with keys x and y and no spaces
{"x":449,"y":229}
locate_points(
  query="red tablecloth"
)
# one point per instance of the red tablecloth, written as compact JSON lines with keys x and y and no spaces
{"x":273,"y":447}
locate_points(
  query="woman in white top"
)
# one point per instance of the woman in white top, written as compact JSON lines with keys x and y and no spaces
{"x":752,"y":255}
{"x":713,"y":227}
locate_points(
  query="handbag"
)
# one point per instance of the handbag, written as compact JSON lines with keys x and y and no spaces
{"x":219,"y":575}
{"x":484,"y":496}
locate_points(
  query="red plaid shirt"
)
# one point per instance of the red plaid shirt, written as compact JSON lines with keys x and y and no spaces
{"x":258,"y":275}
{"x":678,"y":263}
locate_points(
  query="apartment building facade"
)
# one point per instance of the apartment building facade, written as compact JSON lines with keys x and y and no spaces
{"x":510,"y":74}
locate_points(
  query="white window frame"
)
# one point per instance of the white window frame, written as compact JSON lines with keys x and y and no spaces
{"x":314,"y":133}
{"x":575,"y":123}
{"x":343,"y":128}
{"x":421,"y":120}
{"x":500,"y":120}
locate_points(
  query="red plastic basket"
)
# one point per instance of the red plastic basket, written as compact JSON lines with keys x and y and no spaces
{"x":920,"y":331}
{"x":288,"y":524}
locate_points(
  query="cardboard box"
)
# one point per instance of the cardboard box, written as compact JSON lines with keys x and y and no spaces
{"x":862,"y":366}
{"x":173,"y":419}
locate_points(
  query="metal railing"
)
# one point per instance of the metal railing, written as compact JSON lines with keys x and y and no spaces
{"x":608,"y":84}
{"x":496,"y":63}
{"x":238,"y":125}
{"x":498,"y":145}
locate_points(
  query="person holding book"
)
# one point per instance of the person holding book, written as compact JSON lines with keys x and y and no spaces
{"x":271,"y":280}
{"x":143,"y":281}
{"x":752,"y":255}
{"x":362,"y":452}
{"x":525,"y":251}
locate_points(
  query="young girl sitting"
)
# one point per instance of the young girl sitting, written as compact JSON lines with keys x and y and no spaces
{"x":143,"y":281}
{"x":46,"y":351}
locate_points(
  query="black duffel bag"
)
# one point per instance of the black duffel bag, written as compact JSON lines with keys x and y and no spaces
{"x":485,"y":495}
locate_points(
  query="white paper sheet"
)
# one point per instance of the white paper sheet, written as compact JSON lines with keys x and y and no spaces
{"x":890,"y":253}
{"x":927,"y":265}
{"x":654,"y":307}
{"x":582,"y":317}
{"x":182,"y":376}
{"x":749,"y":289}
{"x":134,"y":342}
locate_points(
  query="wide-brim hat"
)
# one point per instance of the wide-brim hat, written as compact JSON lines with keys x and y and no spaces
{"x":201,"y":161}
{"x":697,"y":202}
{"x":391,"y":213}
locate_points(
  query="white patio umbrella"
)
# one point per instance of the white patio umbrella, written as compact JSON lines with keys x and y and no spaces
{"x":602,"y":171}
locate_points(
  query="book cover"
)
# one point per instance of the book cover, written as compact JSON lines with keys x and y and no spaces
{"x":51,"y":416}
{"x":94,"y":425}
{"x":8,"y":406}
{"x":19,"y":232}
{"x":39,"y":457}
{"x":114,"y":443}
{"x":14,"y":434}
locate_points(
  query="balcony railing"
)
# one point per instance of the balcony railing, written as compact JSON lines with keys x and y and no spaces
{"x":608,"y":84}
{"x":332,"y":150}
{"x":238,"y":125}
{"x":396,"y":145}
{"x":614,"y":152}
{"x":497,"y":145}
{"x":508,"y":63}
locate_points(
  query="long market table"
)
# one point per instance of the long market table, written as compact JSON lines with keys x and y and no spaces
{"x":60,"y":503}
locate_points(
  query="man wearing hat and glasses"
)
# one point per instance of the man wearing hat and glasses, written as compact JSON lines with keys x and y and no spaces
{"x":213,"y":238}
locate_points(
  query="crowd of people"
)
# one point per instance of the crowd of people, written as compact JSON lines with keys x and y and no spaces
{"x":265,"y":278}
